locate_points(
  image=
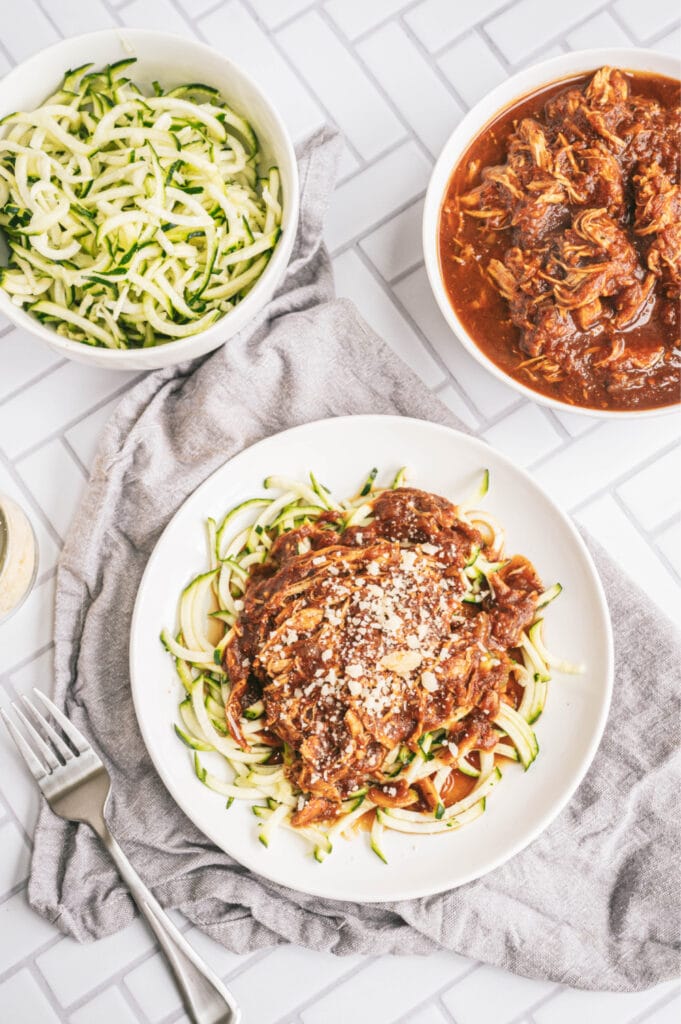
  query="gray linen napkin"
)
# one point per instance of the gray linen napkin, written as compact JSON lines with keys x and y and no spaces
{"x":594,"y":902}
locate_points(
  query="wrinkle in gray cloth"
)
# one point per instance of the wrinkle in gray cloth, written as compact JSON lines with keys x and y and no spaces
{"x":594,"y":902}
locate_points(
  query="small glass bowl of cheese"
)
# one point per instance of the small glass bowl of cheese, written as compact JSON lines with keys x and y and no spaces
{"x":18,"y":557}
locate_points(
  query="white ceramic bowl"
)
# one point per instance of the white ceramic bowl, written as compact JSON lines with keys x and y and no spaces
{"x":172,"y":61}
{"x":481,"y":114}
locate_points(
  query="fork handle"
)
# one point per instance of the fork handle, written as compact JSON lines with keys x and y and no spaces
{"x":206,"y":999}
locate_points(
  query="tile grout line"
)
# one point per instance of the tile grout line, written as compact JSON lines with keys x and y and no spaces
{"x":50,"y":19}
{"x":495,"y":49}
{"x":7,"y":674}
{"x":10,"y":59}
{"x":624,"y":508}
{"x":611,"y":8}
{"x":281,"y":50}
{"x":398,"y":304}
{"x":30,"y":959}
{"x":117,"y":981}
{"x":41,"y":982}
{"x":435,"y":54}
{"x":433,"y":62}
{"x":11,"y":815}
{"x":76,"y":457}
{"x":35,"y":506}
{"x":389,"y":19}
{"x":112,"y":10}
{"x":616,"y":482}
{"x":286,"y":21}
{"x":662,"y":527}
{"x":456,"y":387}
{"x":387,"y":99}
{"x":6,"y":399}
{"x":56,"y":434}
{"x":185,"y":16}
{"x":118,"y":978}
{"x":558,"y":40}
{"x":667,"y":1000}
{"x":356,"y":240}
{"x":127,"y":995}
{"x":302,"y":1007}
{"x":544,"y":1001}
{"x":404,"y":274}
{"x":435,"y":996}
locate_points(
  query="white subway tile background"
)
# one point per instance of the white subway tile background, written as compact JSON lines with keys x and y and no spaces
{"x":396,"y":76}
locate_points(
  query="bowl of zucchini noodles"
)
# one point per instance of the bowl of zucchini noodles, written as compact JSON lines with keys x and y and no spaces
{"x":148,"y":198}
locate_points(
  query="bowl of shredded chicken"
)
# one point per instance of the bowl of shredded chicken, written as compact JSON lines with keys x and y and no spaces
{"x":552,"y":232}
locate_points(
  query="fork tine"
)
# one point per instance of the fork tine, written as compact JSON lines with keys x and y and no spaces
{"x":75,"y":735}
{"x":44,"y":749}
{"x":62,"y":748}
{"x":35,"y":766}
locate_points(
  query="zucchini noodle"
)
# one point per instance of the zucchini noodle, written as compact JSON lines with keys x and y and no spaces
{"x":248,"y":759}
{"x":133,"y":220}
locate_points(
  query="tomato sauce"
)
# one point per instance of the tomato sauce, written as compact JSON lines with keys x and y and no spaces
{"x":560,"y":240}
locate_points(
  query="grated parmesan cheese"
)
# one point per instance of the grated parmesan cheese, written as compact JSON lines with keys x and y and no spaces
{"x":401,"y":662}
{"x":429,"y":681}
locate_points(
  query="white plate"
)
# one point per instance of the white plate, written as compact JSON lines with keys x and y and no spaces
{"x":341,"y":451}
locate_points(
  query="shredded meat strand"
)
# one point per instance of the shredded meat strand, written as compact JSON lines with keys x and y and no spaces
{"x":589,"y":200}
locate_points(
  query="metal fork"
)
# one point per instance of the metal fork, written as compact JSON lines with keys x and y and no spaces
{"x":76,"y":785}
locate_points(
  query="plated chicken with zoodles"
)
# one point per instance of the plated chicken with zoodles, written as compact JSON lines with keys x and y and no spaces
{"x":369,"y":664}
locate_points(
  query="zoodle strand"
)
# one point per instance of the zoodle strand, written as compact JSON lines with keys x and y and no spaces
{"x":133,"y":220}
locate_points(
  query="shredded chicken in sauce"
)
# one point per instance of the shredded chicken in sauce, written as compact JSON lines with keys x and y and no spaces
{"x":579,"y":231}
{"x":358,"y":641}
